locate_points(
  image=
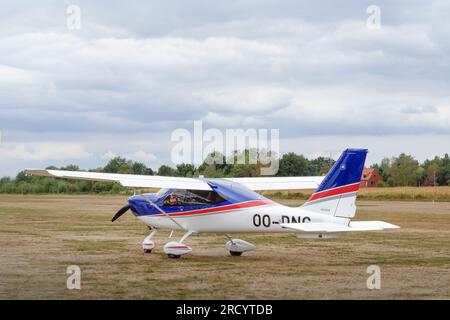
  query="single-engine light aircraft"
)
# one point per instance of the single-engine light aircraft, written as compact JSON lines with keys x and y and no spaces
{"x":229,"y":205}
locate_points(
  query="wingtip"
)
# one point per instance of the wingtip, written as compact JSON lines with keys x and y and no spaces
{"x":38,"y":172}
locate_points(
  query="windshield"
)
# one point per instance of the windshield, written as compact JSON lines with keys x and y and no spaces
{"x":161,"y":193}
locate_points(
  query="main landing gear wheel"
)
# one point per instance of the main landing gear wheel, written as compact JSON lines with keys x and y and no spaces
{"x":147,"y":251}
{"x":176,"y":249}
{"x":237,"y":246}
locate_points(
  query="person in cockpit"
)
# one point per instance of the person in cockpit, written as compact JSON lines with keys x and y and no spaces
{"x":172,"y":200}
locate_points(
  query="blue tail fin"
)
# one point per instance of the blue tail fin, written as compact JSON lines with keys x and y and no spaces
{"x":336,"y":194}
{"x":347,"y":170}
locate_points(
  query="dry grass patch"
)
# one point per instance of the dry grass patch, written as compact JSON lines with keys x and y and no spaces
{"x":41,"y":235}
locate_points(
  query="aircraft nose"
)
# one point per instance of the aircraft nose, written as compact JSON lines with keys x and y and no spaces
{"x":140,"y":205}
{"x":135,"y":203}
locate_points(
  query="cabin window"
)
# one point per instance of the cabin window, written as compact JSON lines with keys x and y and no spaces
{"x":175,"y":198}
{"x":197,"y":197}
{"x":180,"y":197}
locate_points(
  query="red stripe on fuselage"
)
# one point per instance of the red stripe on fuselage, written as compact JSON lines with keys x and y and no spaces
{"x":334,"y":192}
{"x":234,"y":206}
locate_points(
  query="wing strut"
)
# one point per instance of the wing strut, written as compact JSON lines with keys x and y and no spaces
{"x":163,"y":212}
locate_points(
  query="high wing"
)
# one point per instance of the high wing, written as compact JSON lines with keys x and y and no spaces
{"x":330,"y":227}
{"x":279,"y":183}
{"x":127,"y":180}
{"x":144,"y":181}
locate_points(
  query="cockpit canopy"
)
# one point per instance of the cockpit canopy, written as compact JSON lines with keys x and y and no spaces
{"x":183,"y":197}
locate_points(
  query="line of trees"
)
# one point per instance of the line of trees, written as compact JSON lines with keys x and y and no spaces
{"x":403,"y":170}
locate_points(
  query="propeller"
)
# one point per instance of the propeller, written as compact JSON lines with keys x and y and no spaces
{"x":120,"y":212}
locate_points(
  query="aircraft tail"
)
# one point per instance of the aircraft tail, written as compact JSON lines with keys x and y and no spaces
{"x":336,"y":195}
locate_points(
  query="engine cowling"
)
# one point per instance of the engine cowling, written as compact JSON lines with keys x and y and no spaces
{"x":238,"y":245}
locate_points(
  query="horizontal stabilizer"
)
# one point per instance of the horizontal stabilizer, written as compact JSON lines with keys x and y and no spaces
{"x":325,"y":227}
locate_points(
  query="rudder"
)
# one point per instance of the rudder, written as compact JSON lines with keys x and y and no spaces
{"x":336,"y":195}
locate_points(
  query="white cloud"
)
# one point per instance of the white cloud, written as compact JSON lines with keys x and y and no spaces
{"x":109,"y":155}
{"x":134,"y":73}
{"x":48,"y":151}
{"x":139,"y":155}
{"x":142,"y":156}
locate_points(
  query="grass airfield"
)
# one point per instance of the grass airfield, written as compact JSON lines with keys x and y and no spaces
{"x":40,"y":235}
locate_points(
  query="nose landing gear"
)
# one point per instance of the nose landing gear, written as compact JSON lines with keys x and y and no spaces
{"x":148,"y":244}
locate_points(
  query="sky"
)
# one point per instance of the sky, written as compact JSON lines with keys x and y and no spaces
{"x":135,"y":71}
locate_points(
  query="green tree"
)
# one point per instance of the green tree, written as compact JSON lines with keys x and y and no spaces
{"x":214,"y":166}
{"x":432,"y":171}
{"x":166,"y":171}
{"x":292,"y":164}
{"x":70,"y":167}
{"x":320,"y":166}
{"x":420,"y":175}
{"x":5,"y":180}
{"x":444,"y":177}
{"x":118,"y":165}
{"x":384,"y":169}
{"x":185,"y":170}
{"x":211,"y":171}
{"x":244,"y":164}
{"x":404,"y":170}
{"x":23,"y":176}
{"x":140,"y":168}
{"x":125,"y":168}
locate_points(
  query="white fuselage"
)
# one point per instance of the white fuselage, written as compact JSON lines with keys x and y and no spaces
{"x":265,"y":218}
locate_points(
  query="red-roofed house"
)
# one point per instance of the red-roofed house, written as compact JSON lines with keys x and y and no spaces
{"x":370,"y":178}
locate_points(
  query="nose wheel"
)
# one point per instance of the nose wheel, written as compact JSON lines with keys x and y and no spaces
{"x":148,"y":244}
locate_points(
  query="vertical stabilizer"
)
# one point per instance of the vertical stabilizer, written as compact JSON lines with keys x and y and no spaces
{"x":336,"y":195}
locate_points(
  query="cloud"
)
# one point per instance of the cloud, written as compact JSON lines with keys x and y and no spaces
{"x":109,"y":155}
{"x":142,"y":156}
{"x":139,"y":155}
{"x":134,"y":73}
{"x":419,"y":109}
{"x":49,"y":151}
{"x":85,"y":84}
